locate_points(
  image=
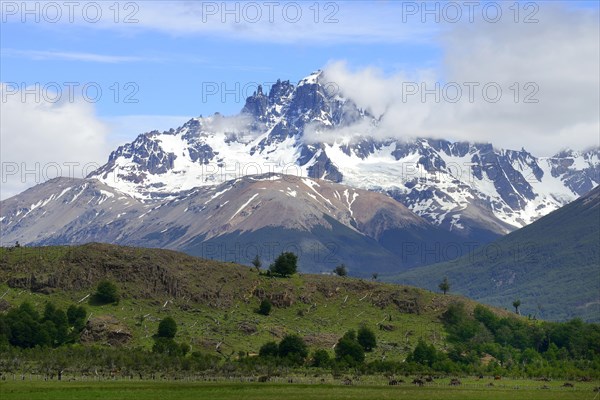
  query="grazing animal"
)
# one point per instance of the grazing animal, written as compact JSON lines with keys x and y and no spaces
{"x":497,"y":377}
{"x":455,"y":382}
{"x":568,"y":384}
{"x":347,"y":382}
{"x":263,"y":379}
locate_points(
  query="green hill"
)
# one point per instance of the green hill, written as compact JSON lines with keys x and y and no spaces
{"x":317,"y":323}
{"x":551,"y":265}
{"x":215,"y":303}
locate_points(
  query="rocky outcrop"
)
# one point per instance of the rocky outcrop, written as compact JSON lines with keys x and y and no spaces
{"x":105,"y":329}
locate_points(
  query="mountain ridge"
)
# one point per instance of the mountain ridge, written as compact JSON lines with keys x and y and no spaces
{"x":460,"y":186}
{"x":326,"y":222}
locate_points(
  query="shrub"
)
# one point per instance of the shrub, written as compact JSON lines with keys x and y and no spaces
{"x":424,"y":354}
{"x":293,"y":346}
{"x":76,"y":316}
{"x":321,"y":359}
{"x":269,"y":349}
{"x":348,"y":349}
{"x":167,"y":328}
{"x":168,"y":346}
{"x":106,"y":293}
{"x":265,"y":307}
{"x":341,"y":270}
{"x":257,"y":263}
{"x":366,"y":338}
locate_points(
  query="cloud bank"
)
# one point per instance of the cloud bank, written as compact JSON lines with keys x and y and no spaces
{"x":515,"y":85}
{"x":42,"y":140}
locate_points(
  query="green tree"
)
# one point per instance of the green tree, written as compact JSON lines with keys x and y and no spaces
{"x":348,"y":349}
{"x":269,"y":349}
{"x":26,"y":329}
{"x":487,"y":317}
{"x":27,"y":308}
{"x":530,"y":356}
{"x":58,"y":327}
{"x":257,"y":263}
{"x":4,"y":331}
{"x":107,"y":292}
{"x":341,"y":270}
{"x":164,"y":342}
{"x":444,"y":285}
{"x":265,"y":307}
{"x":293,"y":347}
{"x":351,"y":335}
{"x":366,"y":338}
{"x":321,"y":359}
{"x":516,"y":305}
{"x":286,"y":264}
{"x":76,"y":316}
{"x":168,"y":346}
{"x":423,"y":354}
{"x":167,"y":328}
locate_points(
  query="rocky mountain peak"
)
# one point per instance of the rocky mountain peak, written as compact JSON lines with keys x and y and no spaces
{"x":464,"y":187}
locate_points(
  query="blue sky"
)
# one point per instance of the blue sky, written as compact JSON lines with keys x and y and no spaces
{"x":170,"y":67}
{"x":170,"y":52}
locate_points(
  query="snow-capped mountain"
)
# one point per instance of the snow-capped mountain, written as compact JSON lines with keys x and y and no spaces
{"x":323,"y":222}
{"x":472,"y":189}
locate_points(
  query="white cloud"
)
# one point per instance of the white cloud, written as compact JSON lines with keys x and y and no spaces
{"x":268,"y":22}
{"x":234,"y":125}
{"x":313,"y":134}
{"x":73,"y":56}
{"x":559,"y":56}
{"x":42,"y":140}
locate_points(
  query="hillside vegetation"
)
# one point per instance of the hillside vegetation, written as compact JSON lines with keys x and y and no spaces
{"x":215,"y":303}
{"x":125,"y":311}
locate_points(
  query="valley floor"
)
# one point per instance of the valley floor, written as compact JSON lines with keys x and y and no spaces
{"x":364,"y":390}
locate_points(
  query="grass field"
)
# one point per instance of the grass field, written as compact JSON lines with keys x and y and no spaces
{"x":261,"y":391}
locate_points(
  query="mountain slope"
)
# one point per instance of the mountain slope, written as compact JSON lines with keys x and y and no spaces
{"x":312,"y":130}
{"x":552,"y":265}
{"x":214,"y":303}
{"x":323,"y":222}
